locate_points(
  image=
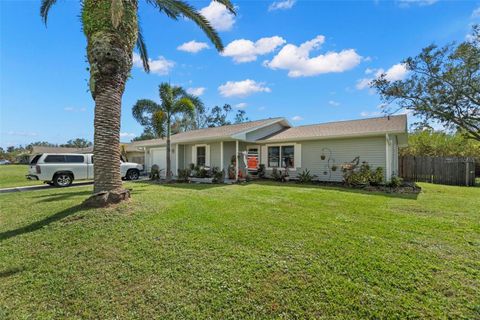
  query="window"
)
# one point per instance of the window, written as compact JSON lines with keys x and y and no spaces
{"x":75,"y":159}
{"x":288,"y":153}
{"x":55,"y":159}
{"x":284,"y":153}
{"x":201,"y":155}
{"x":273,"y":157}
{"x":35,"y":159}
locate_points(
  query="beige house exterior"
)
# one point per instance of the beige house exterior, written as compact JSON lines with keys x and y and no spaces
{"x":275,"y":143}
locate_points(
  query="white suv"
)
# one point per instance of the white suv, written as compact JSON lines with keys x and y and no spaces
{"x":61,"y":169}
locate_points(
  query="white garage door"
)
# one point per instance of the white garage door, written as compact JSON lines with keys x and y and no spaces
{"x":159,"y":157}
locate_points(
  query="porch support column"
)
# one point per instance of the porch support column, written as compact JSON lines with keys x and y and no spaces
{"x":221,"y":155}
{"x":236,"y":160}
{"x":176,"y":160}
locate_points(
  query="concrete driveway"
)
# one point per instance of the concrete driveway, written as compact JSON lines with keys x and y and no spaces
{"x":43,"y":187}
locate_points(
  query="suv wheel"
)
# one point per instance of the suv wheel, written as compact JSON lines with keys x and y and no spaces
{"x":133,"y":174}
{"x":62,"y":179}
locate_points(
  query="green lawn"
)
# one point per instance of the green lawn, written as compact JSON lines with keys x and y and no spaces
{"x":261,"y":250}
{"x":14,"y":176}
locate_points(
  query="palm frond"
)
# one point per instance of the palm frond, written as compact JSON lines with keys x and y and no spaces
{"x":166,"y":95}
{"x":184,"y":105}
{"x":158,"y":123}
{"x":142,"y":49}
{"x":143,"y":110}
{"x":178,"y":7}
{"x":163,"y":6}
{"x":228,"y":4}
{"x":45,"y":8}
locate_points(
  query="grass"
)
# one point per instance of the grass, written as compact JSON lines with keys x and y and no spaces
{"x":14,"y":176}
{"x":261,"y":250}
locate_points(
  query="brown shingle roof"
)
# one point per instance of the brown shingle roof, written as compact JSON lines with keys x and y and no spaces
{"x":363,"y":127}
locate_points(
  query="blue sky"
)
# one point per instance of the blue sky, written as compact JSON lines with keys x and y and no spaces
{"x":310,"y":65}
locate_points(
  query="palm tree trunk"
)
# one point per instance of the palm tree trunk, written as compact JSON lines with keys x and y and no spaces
{"x":106,"y":150}
{"x":169,"y":173}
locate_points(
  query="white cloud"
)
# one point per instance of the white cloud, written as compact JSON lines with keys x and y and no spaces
{"x":297,"y":118}
{"x":193,"y":46}
{"x":396,"y":72}
{"x":363,"y":83}
{"x":476,"y":13}
{"x":281,"y":5}
{"x":72,"y":109}
{"x":241,"y":105}
{"x":408,"y":3}
{"x":367,"y":114}
{"x":333,"y":103}
{"x":160,"y":66}
{"x":242,"y":88}
{"x":127,"y":135}
{"x":299,"y":64}
{"x":196,"y":91}
{"x":219,"y":16}
{"x":22,"y":133}
{"x":243,"y":50}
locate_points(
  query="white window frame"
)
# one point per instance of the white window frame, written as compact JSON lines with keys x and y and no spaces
{"x":207,"y":154}
{"x":280,"y":156}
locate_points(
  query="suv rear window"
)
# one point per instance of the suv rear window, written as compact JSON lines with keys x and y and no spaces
{"x":35,"y":159}
{"x":54,"y":159}
{"x":75,"y":159}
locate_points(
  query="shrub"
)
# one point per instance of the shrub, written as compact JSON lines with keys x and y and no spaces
{"x":218,"y":175}
{"x":276,"y":174}
{"x":362,"y":175}
{"x":261,"y":171}
{"x":376,"y":178}
{"x":183,"y":175}
{"x":155,"y":172}
{"x":306,"y":177}
{"x":395,"y":182}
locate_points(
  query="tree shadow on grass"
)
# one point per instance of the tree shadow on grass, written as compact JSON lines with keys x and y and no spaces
{"x":336,"y":187}
{"x":11,"y":271}
{"x":62,"y":196}
{"x":189,"y":186}
{"x":42,"y":223}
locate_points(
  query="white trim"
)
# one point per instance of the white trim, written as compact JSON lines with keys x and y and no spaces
{"x":242,"y":134}
{"x":176,"y":159}
{"x":280,"y":155}
{"x":221,"y":155}
{"x":388,"y":171}
{"x":236,"y":160}
{"x":347,"y":136}
{"x":207,"y":153}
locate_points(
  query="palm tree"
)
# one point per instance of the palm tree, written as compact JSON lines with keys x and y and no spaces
{"x":112,"y":31}
{"x":158,"y":118}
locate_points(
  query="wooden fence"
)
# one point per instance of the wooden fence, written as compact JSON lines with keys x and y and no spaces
{"x":457,"y":171}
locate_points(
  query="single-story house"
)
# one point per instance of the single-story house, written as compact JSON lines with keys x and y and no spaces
{"x":275,"y":143}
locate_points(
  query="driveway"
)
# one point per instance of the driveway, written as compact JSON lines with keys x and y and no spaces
{"x":46,"y":186}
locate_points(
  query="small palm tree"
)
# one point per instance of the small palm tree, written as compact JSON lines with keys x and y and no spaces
{"x":112,"y":31}
{"x":159,"y":117}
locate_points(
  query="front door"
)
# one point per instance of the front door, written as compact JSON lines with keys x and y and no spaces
{"x":253,"y":159}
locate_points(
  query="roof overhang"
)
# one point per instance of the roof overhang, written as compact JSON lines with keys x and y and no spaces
{"x":348,"y":136}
